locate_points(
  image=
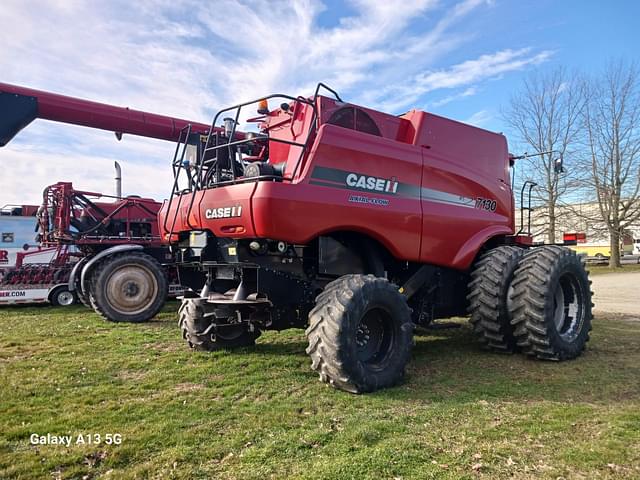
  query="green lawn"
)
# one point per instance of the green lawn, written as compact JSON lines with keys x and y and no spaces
{"x":261,"y":413}
{"x":601,"y":269}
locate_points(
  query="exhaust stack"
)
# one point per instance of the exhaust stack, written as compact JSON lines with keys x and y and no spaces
{"x":118,"y":180}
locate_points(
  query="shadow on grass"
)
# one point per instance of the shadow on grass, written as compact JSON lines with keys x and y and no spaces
{"x":446,"y":364}
{"x":449,"y":366}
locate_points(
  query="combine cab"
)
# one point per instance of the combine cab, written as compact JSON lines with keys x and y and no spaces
{"x":358,"y":225}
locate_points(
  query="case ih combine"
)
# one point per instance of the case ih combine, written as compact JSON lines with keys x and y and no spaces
{"x":358,"y":225}
{"x":122,"y":270}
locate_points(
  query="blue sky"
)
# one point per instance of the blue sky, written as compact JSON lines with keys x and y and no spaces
{"x":461,"y":59}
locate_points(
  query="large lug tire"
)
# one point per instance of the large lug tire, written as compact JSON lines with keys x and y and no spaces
{"x":551,"y":304}
{"x":194,"y":320}
{"x":82,"y":295}
{"x":84,"y":300}
{"x":62,"y":297}
{"x":489,"y":298}
{"x":128,"y":287}
{"x":360,"y":334}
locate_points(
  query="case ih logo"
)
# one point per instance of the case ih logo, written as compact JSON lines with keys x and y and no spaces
{"x":223,"y":212}
{"x":374,"y":184}
{"x":4,"y":257}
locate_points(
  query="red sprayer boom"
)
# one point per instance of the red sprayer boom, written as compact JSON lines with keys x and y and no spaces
{"x":20,"y":106}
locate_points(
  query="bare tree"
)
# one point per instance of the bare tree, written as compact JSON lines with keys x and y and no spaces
{"x":545,"y":116}
{"x":612,"y":124}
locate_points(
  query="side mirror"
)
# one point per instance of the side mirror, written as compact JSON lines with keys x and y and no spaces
{"x":558,"y":166}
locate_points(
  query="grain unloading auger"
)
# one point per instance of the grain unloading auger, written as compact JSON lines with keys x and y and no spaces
{"x":124,"y":271}
{"x":19,"y":106}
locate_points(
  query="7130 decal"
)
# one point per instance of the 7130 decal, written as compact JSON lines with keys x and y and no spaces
{"x":486,"y":204}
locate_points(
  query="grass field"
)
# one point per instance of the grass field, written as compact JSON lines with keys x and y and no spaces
{"x":601,"y":269}
{"x":261,"y":413}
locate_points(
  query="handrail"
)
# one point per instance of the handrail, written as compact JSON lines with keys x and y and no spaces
{"x":528,"y":208}
{"x":200,"y":181}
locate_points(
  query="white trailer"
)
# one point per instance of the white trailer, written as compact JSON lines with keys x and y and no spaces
{"x":56,"y":294}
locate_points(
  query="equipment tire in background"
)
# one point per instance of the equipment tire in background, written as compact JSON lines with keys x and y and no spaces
{"x":83,"y":299}
{"x":551,"y":304}
{"x":128,"y":287}
{"x":199,"y":334}
{"x":489,"y":298}
{"x":81,"y":295}
{"x":61,"y":296}
{"x":360,"y":334}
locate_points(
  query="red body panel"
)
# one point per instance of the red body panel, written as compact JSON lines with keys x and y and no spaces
{"x":429,"y":189}
{"x":470,"y":162}
{"x":230,"y":196}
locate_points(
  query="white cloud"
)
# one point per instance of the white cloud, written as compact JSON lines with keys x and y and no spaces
{"x":31,"y":171}
{"x":187,"y":58}
{"x":468,"y":92}
{"x":460,"y":75}
{"x":485,"y":66}
{"x":480,"y":118}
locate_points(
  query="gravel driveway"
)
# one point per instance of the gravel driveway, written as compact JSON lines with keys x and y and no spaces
{"x":617,"y":293}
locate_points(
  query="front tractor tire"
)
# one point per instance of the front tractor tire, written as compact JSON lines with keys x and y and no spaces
{"x":195,"y":321}
{"x":489,"y":298}
{"x":360,"y":334}
{"x":128,"y":287}
{"x":551,"y":304}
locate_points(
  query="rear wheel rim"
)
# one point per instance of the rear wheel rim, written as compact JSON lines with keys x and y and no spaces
{"x":568,"y":314}
{"x":64,"y":298}
{"x":374,"y":337}
{"x":132,"y":289}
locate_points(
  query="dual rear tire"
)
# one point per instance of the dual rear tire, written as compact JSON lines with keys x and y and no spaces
{"x":489,"y":298}
{"x":551,"y":304}
{"x":536,"y":302}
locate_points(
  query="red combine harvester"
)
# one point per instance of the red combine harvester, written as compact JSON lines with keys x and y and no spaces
{"x":109,"y":252}
{"x":351,"y":222}
{"x":358,"y":225}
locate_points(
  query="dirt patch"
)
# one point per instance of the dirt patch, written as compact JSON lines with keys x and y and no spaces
{"x":131,"y":374}
{"x":164,"y":347}
{"x":188,"y":387}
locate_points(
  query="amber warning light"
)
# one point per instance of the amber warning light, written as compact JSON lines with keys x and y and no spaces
{"x":263,"y":107}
